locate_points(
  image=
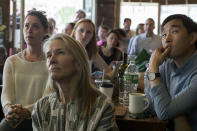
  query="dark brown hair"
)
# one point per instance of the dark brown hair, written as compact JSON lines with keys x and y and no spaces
{"x":40,"y":15}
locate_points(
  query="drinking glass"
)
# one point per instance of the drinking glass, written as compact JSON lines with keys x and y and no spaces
{"x":98,"y":82}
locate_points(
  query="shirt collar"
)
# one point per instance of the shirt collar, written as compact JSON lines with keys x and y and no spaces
{"x":188,"y":64}
{"x":144,"y":36}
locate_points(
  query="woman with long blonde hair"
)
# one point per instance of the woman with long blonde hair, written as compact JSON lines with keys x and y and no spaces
{"x":76,"y":104}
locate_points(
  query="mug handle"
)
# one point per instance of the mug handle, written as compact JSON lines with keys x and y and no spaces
{"x":148,"y":103}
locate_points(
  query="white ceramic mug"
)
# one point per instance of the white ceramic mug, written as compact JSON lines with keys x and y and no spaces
{"x":137,"y":103}
{"x":107,"y":89}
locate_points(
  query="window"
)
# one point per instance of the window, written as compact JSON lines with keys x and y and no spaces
{"x":187,"y":9}
{"x":63,"y":11}
{"x":89,"y":8}
{"x":138,"y":12}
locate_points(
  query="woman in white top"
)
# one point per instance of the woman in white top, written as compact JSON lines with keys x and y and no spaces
{"x":85,"y":32}
{"x":25,"y":76}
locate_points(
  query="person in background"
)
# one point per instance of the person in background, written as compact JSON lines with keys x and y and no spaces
{"x":102,"y":34}
{"x":3,"y":57}
{"x":52,"y":26}
{"x":123,"y":41}
{"x":109,"y":51}
{"x":80,"y":14}
{"x":127,"y":24}
{"x":69,"y":28}
{"x":139,"y":31}
{"x":148,"y":40}
{"x":84,"y":32}
{"x":25,"y":76}
{"x":76,"y":104}
{"x":173,"y":73}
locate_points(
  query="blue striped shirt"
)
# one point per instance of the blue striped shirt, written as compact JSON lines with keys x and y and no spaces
{"x":178,"y":93}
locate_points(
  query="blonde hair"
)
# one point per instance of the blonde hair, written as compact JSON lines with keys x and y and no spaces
{"x":91,"y":47}
{"x":86,"y":94}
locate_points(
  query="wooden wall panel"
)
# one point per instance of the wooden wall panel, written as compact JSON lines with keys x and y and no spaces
{"x":5,"y":4}
{"x":105,"y":13}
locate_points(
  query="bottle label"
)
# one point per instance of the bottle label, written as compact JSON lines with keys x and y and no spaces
{"x":128,"y":78}
{"x":131,"y":78}
{"x":135,"y":79}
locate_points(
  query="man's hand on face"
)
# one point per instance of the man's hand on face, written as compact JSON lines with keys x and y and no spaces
{"x":157,"y":58}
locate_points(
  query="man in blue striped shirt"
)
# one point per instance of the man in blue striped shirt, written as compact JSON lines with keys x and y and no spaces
{"x":173,"y":73}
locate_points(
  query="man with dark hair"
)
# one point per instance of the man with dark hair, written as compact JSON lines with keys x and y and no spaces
{"x":127,"y":24}
{"x":148,"y":40}
{"x":123,"y":41}
{"x":187,"y":22}
{"x":129,"y":33}
{"x":127,"y":19}
{"x":173,"y":73}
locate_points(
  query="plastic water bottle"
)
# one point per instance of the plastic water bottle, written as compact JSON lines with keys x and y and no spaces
{"x":133,"y":72}
{"x":130,"y":82}
{"x":127,"y":88}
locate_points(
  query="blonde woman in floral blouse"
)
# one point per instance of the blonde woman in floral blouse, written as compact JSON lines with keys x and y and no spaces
{"x":76,"y":105}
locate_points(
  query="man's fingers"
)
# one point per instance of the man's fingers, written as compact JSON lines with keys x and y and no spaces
{"x":166,"y":51}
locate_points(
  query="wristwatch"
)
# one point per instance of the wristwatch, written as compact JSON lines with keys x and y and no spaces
{"x":152,"y":76}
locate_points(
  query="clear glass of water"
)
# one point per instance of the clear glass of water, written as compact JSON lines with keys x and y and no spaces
{"x":98,"y":82}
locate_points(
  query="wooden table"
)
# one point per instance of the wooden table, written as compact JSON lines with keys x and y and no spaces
{"x":126,"y":123}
